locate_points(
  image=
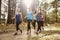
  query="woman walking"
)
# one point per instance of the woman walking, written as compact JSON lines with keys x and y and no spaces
{"x":39,"y":20}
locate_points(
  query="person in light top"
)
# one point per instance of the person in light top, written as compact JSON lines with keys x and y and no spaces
{"x":29,"y":20}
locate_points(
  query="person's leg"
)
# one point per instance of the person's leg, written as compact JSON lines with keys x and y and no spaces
{"x":21,"y":31}
{"x":42,"y":26}
{"x":28,"y":26}
{"x":16,"y":28}
{"x":38,"y":26}
{"x":33,"y":23}
{"x":20,"y":28}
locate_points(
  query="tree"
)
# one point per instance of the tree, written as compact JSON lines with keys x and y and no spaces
{"x":11,"y":11}
{"x":9,"y":21}
{"x":0,"y":11}
{"x":13,"y":6}
{"x":55,"y":6}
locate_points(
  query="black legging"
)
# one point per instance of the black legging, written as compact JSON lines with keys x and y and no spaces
{"x":28,"y":25}
{"x":34,"y":24}
{"x":40,"y":24}
{"x":17,"y":26}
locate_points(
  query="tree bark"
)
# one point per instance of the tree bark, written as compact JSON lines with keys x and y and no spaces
{"x":11,"y":11}
{"x":9,"y":20}
{"x":56,"y":9}
{"x":0,"y":11}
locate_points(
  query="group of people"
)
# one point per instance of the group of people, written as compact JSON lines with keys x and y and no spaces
{"x":32,"y":18}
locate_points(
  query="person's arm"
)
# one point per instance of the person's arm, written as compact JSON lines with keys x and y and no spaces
{"x":13,"y":17}
{"x":21,"y":17}
{"x":32,"y":16}
{"x":43,"y":16}
{"x":25,"y":17}
{"x":36,"y":13}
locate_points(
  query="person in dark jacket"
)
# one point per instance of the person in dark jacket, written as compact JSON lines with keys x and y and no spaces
{"x":18,"y":21}
{"x":39,"y":20}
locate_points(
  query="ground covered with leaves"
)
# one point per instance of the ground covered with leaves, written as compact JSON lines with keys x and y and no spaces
{"x":49,"y":33}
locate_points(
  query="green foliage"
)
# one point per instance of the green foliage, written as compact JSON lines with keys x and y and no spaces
{"x":51,"y":17}
{"x":3,"y":20}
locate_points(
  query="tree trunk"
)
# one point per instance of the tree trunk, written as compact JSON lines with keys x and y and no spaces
{"x":56,"y":9}
{"x":0,"y":11}
{"x":11,"y":11}
{"x":9,"y":20}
